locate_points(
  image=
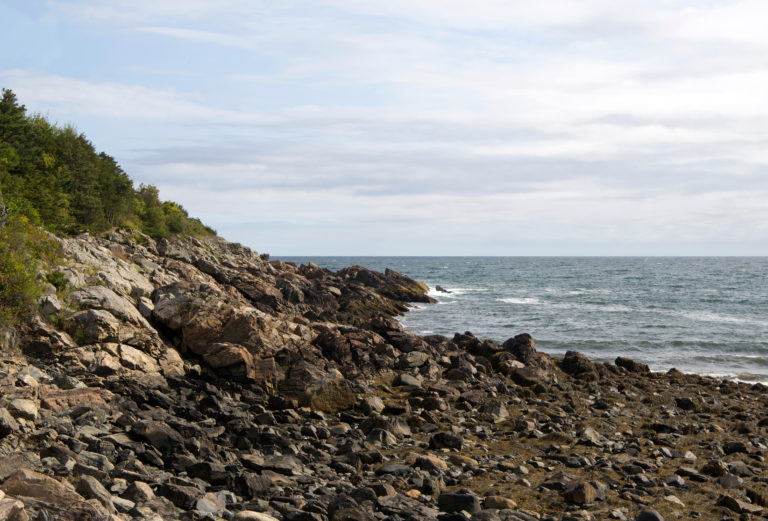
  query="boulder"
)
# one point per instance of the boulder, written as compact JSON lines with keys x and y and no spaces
{"x":579,"y":366}
{"x":631,"y":365}
{"x":320,"y":390}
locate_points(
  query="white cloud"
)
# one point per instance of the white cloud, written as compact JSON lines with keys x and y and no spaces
{"x":226,"y":40}
{"x":637,"y":120}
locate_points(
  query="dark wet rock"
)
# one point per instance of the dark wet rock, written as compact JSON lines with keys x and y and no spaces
{"x":457,"y":502}
{"x":632,"y":365}
{"x":733,"y":447}
{"x":686,"y":403}
{"x":579,"y":366}
{"x":446,"y":440}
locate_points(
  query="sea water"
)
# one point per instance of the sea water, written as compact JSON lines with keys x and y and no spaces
{"x":707,"y":315}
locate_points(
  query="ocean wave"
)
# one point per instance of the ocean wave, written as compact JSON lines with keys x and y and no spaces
{"x":710,"y":316}
{"x":519,"y":300}
{"x":594,"y":306}
{"x":452,"y":292}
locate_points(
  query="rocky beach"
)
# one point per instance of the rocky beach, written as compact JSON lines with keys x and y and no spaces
{"x":192,"y":379}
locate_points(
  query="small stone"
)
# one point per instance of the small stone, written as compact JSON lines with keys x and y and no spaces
{"x":733,"y":447}
{"x":404,"y":379}
{"x":139,"y":492}
{"x":460,"y":459}
{"x":649,"y":515}
{"x":580,"y":493}
{"x":49,"y":305}
{"x":431,"y":463}
{"x":211,"y":503}
{"x":383,"y":489}
{"x":250,"y":515}
{"x":123,"y":505}
{"x":396,"y":469}
{"x":675,"y":500}
{"x":730,"y":481}
{"x":499,"y":503}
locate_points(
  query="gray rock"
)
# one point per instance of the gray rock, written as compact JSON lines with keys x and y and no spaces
{"x":23,"y":408}
{"x":445,"y":440}
{"x":730,"y":481}
{"x":457,"y":502}
{"x":49,"y":305}
{"x":90,"y":488}
{"x":649,"y":515}
{"x":8,"y":425}
{"x":405,"y":380}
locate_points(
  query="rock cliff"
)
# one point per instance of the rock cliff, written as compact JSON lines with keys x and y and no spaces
{"x":196,"y":379}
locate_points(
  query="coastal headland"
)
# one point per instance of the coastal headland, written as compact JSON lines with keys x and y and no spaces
{"x":190,"y":379}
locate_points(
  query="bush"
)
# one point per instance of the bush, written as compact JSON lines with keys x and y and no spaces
{"x":58,"y":280}
{"x":22,"y":249}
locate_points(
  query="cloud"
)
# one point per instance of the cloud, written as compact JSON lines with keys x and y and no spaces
{"x":592,"y":121}
{"x":222,"y":39}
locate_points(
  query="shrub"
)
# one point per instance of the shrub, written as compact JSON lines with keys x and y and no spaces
{"x":58,"y":280}
{"x":23,"y":248}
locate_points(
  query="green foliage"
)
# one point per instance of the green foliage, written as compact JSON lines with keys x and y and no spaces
{"x":23,"y":247}
{"x":57,"y":279}
{"x":54,"y":177}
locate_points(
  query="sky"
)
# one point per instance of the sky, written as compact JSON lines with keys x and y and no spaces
{"x":421,"y":127}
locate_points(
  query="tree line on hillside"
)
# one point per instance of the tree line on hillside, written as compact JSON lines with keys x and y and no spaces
{"x":51,"y":178}
{"x":55,"y":178}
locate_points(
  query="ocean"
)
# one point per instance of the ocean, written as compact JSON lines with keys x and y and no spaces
{"x":705,"y":315}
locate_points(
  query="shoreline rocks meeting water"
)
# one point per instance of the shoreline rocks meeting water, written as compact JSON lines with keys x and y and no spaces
{"x":195,"y":379}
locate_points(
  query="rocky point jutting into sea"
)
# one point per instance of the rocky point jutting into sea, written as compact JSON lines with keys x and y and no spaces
{"x":196,"y":379}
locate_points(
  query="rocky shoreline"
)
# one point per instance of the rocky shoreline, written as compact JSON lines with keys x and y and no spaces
{"x":195,"y":379}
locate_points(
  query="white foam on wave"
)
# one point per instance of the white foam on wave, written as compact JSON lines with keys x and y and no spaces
{"x":709,"y":316}
{"x":519,"y":300}
{"x":609,"y":308}
{"x":452,"y":292}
